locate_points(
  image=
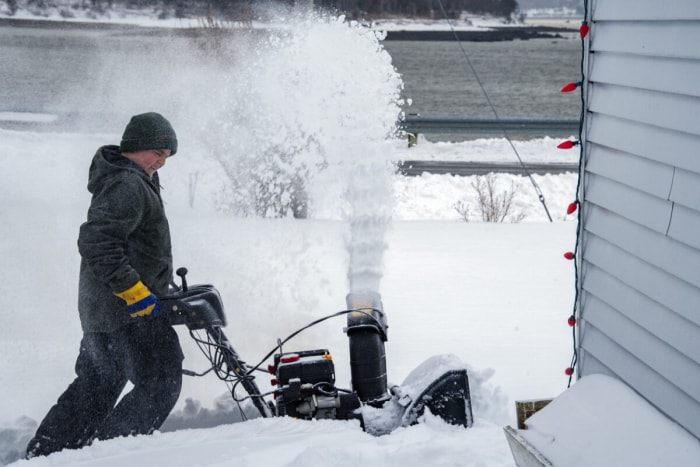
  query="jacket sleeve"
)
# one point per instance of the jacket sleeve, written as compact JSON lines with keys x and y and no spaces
{"x":116,"y":211}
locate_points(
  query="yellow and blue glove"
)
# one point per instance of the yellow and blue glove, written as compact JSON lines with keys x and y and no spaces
{"x":140,"y":301}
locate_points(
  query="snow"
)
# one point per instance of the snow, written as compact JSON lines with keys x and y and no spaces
{"x":493,"y":297}
{"x":27,"y":117}
{"x":443,"y":290}
{"x":617,"y":425}
{"x":69,"y":12}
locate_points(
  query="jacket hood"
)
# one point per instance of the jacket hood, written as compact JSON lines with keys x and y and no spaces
{"x":107,"y":162}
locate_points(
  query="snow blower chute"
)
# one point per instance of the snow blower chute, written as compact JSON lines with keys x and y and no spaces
{"x":305,"y":380}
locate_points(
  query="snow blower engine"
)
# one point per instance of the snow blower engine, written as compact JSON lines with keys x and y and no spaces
{"x":305,"y":380}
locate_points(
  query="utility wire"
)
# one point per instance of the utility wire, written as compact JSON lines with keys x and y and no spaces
{"x":495,"y":113}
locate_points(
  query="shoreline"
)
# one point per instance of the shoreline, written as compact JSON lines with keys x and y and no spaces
{"x":492,"y":34}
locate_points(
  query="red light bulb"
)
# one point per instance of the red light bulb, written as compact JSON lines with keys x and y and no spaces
{"x":572,"y":321}
{"x":570,"y":87}
{"x":569,"y":371}
{"x":572,"y":208}
{"x":568,"y":144}
{"x":569,"y":255}
{"x":584,"y":30}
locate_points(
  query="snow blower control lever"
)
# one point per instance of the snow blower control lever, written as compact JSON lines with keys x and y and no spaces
{"x":182,"y":272}
{"x":305,"y":380}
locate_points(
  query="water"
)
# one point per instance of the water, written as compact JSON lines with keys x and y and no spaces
{"x":521,"y":78}
{"x":56,"y":70}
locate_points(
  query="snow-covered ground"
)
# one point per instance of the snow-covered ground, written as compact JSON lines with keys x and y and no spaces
{"x":494,"y":296}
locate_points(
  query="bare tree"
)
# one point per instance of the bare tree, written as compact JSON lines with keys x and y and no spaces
{"x":492,"y":205}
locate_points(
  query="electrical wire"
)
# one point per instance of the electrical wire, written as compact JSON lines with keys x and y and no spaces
{"x":540,"y":195}
{"x":579,"y":196}
{"x":214,"y":352}
{"x":280,"y":343}
{"x":579,"y":186}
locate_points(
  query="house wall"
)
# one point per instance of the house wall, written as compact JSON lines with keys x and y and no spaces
{"x":640,"y":241}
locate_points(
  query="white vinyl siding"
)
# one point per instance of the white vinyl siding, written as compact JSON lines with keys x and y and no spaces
{"x":640,"y":243}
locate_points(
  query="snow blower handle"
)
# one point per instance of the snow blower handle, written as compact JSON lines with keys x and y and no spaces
{"x":182,"y":272}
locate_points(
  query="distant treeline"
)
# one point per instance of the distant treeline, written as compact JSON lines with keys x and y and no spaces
{"x":234,"y":9}
{"x":421,"y":8}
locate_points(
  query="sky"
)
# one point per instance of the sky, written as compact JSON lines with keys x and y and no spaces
{"x":493,"y":297}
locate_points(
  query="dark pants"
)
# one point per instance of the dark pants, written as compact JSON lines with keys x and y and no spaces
{"x":148,"y":354}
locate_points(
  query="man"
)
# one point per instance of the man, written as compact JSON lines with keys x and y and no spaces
{"x":126,"y":264}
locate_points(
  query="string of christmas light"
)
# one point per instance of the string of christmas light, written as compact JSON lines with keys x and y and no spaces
{"x":576,"y":204}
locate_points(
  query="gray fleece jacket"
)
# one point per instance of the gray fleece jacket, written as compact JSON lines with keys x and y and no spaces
{"x":126,"y":239}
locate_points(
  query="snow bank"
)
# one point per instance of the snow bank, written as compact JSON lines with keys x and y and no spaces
{"x":601,"y":421}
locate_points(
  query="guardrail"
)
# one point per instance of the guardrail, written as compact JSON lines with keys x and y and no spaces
{"x":545,"y":126}
{"x":466,"y":168}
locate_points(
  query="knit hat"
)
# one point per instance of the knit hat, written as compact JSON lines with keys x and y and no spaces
{"x":148,"y":131}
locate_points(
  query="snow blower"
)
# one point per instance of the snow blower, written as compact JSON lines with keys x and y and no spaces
{"x":305,"y":380}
